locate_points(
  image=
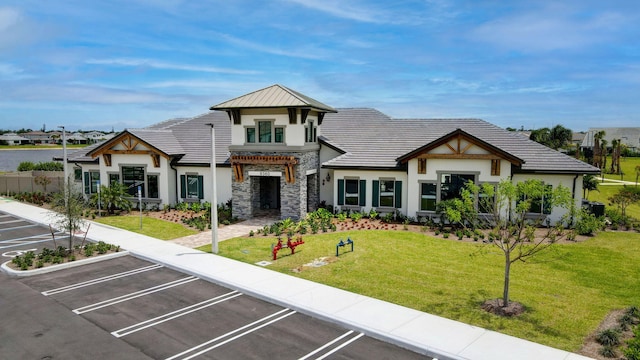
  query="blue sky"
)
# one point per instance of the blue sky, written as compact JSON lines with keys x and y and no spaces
{"x":131,"y":63}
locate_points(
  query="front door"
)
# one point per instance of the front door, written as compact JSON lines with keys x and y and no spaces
{"x":269,"y":192}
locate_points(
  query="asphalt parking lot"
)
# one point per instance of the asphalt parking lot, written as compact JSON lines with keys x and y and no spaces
{"x":18,"y":236}
{"x":128,"y":308}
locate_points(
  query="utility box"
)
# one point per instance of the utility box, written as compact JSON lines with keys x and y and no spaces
{"x":596,"y":208}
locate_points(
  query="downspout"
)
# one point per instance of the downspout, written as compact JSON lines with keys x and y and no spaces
{"x":175,"y":171}
{"x":573,"y":196}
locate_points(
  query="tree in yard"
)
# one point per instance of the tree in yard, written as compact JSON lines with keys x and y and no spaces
{"x":505,"y":207}
{"x":555,"y":138}
{"x":625,"y":197}
{"x":68,"y":205}
{"x":589,"y":183}
{"x":113,"y":197}
{"x":559,"y":137}
{"x":597,"y":148}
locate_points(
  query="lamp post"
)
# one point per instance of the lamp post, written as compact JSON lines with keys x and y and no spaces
{"x":64,"y":164}
{"x":214,"y":196}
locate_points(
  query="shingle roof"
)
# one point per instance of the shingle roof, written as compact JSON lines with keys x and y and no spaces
{"x":274,"y":96}
{"x":374,"y":140}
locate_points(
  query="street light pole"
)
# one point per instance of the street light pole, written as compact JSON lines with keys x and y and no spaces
{"x":64,"y":165}
{"x":214,"y":196}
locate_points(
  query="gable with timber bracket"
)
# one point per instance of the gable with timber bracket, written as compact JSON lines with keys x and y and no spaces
{"x":460,"y":145}
{"x":127,"y":144}
{"x":289,"y":163}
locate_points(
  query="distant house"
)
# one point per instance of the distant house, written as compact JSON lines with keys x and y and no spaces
{"x":76,"y":138}
{"x":97,"y":136}
{"x":13,"y":139}
{"x":629,"y":136}
{"x":281,"y":152}
{"x":39,"y":137}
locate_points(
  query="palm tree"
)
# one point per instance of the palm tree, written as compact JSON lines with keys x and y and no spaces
{"x":113,"y":197}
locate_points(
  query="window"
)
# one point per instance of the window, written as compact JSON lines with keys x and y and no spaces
{"x":495,"y":167}
{"x":251,"y":135}
{"x":77,"y":174}
{"x":351,"y":192}
{"x":152,"y":186}
{"x":91,"y":181}
{"x":132,"y":177}
{"x":113,"y":177}
{"x":451,"y":184}
{"x":428,"y":196}
{"x":192,"y":186}
{"x":279,"y":134}
{"x":542,"y":205}
{"x":310,"y":133}
{"x":264,"y":131}
{"x":267,"y":133}
{"x":422,"y":166}
{"x":387,"y":193}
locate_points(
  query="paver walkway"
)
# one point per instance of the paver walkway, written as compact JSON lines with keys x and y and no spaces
{"x":225,"y":232}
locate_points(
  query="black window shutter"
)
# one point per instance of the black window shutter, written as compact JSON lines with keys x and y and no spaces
{"x":200,"y":187}
{"x":340,"y":191}
{"x":363,"y":192}
{"x":183,"y":186}
{"x":376,"y":193}
{"x":398,"y":194}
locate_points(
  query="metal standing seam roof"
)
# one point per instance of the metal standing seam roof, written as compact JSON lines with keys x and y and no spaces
{"x":274,"y":96}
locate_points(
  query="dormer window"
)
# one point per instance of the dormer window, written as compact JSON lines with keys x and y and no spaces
{"x":267,"y":133}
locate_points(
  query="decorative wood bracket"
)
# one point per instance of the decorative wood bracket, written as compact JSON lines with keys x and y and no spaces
{"x":107,"y":159}
{"x":289,"y":163}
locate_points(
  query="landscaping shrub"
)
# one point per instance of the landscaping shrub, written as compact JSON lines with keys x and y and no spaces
{"x":588,"y":223}
{"x":610,"y":337}
{"x":41,"y":166}
{"x":608,"y":351}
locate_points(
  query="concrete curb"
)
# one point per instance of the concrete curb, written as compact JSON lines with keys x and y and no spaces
{"x":24,"y":273}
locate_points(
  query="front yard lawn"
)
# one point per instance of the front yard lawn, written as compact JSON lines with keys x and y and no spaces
{"x":568,"y":289}
{"x":159,"y":229}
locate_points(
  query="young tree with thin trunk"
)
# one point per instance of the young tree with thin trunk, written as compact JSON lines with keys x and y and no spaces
{"x":69,"y":205}
{"x":507,"y":209}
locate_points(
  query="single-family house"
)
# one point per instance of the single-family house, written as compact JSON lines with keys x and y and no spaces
{"x":628,"y":136}
{"x":279,"y":151}
{"x":13,"y":139}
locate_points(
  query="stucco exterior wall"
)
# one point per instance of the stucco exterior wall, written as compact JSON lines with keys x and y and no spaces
{"x":293,"y":133}
{"x":556,"y":180}
{"x":369,"y":176}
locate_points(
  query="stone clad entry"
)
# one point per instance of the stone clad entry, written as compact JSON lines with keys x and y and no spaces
{"x":284,"y":186}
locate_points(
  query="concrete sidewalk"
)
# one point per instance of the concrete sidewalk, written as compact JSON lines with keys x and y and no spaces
{"x":425,"y":333}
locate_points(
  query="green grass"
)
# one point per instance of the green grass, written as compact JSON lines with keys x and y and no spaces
{"x":628,"y":167}
{"x":606,"y":191}
{"x":567,"y":289}
{"x":159,"y":229}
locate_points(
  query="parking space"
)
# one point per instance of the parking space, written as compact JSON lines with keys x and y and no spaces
{"x":18,"y":236}
{"x":167,"y":314}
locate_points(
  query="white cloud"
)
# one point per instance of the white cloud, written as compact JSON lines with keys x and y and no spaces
{"x":132,"y":62}
{"x":8,"y":18}
{"x":548,"y":29}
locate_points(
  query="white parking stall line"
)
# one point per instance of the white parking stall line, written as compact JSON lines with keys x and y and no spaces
{"x":101,"y":280}
{"x":341,"y":346}
{"x":134,"y":295}
{"x":174,"y":314}
{"x":19,"y":227}
{"x":12,"y":221}
{"x":22,"y":243}
{"x":329,"y":344}
{"x":46,"y":235}
{"x":254,"y":326}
